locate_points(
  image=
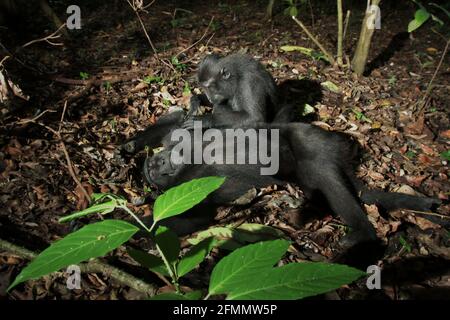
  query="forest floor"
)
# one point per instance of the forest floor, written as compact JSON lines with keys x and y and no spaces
{"x":125,"y":88}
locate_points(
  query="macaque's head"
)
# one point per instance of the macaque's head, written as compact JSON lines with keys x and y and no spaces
{"x":158,"y":169}
{"x":217,"y":79}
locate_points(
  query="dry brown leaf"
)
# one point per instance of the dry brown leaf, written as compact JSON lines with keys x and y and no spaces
{"x":445,"y":134}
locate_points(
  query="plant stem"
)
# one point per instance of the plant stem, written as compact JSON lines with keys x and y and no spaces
{"x":429,"y":87}
{"x":124,"y":207}
{"x":169,"y":268}
{"x":314,"y":39}
{"x":340,"y":32}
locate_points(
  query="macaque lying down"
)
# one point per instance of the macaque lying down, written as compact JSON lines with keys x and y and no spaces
{"x":320,"y":162}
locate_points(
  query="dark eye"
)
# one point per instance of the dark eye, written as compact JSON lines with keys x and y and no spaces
{"x":225,"y":73}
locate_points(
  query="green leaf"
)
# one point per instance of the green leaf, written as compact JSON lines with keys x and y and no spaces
{"x":102,"y":208}
{"x":195,"y":255}
{"x":330,"y":86}
{"x":405,"y":244}
{"x":91,"y":241}
{"x":420,"y":17}
{"x":150,"y":261}
{"x":294,"y":281}
{"x":183,"y":197}
{"x":231,"y":237}
{"x":293,"y":12}
{"x":446,"y":155}
{"x":245,"y":262}
{"x":307,"y":109}
{"x":168,"y":243}
{"x":193,"y":295}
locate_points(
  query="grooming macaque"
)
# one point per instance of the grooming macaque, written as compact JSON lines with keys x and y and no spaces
{"x":240,"y":90}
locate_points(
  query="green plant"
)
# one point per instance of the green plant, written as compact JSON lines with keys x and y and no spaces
{"x":246,"y":273}
{"x":153,"y":79}
{"x":84,"y":75}
{"x":293,"y":6}
{"x":422,"y":15}
{"x":360,"y":116}
{"x":446,"y":155}
{"x":405,"y":244}
{"x":178,"y":65}
{"x":97,"y":239}
{"x":107,"y":86}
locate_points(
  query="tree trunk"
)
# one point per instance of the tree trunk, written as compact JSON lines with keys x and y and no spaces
{"x":365,"y":37}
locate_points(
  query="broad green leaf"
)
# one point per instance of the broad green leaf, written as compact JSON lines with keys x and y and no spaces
{"x":193,"y":295}
{"x":245,"y":262}
{"x":150,"y":261}
{"x":91,"y":241}
{"x":420,"y":17}
{"x":220,"y":233}
{"x":330,"y":86}
{"x":183,"y":197}
{"x":195,"y":255}
{"x":293,"y":12}
{"x":231,"y":237}
{"x":294,"y":281}
{"x":102,"y":208}
{"x":168,"y":243}
{"x":169,"y":296}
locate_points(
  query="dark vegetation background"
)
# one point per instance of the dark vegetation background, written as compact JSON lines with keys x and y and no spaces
{"x":114,"y":86}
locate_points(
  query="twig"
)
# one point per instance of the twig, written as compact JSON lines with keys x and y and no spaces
{"x":137,"y":5}
{"x":57,"y":134}
{"x":48,"y":38}
{"x":429,"y":214}
{"x":25,"y":121}
{"x":3,"y":60}
{"x":199,"y":40}
{"x":314,"y":39}
{"x":93,"y":266}
{"x":429,"y":87}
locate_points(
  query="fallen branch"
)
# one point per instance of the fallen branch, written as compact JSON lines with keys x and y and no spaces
{"x":93,"y":266}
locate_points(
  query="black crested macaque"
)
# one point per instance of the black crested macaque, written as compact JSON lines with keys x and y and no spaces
{"x":240,"y":90}
{"x":320,"y":162}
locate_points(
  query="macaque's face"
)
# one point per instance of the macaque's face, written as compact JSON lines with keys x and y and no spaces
{"x":158,"y":169}
{"x":217,"y":81}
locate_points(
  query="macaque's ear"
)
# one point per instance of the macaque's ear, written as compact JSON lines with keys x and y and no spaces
{"x":225,"y":73}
